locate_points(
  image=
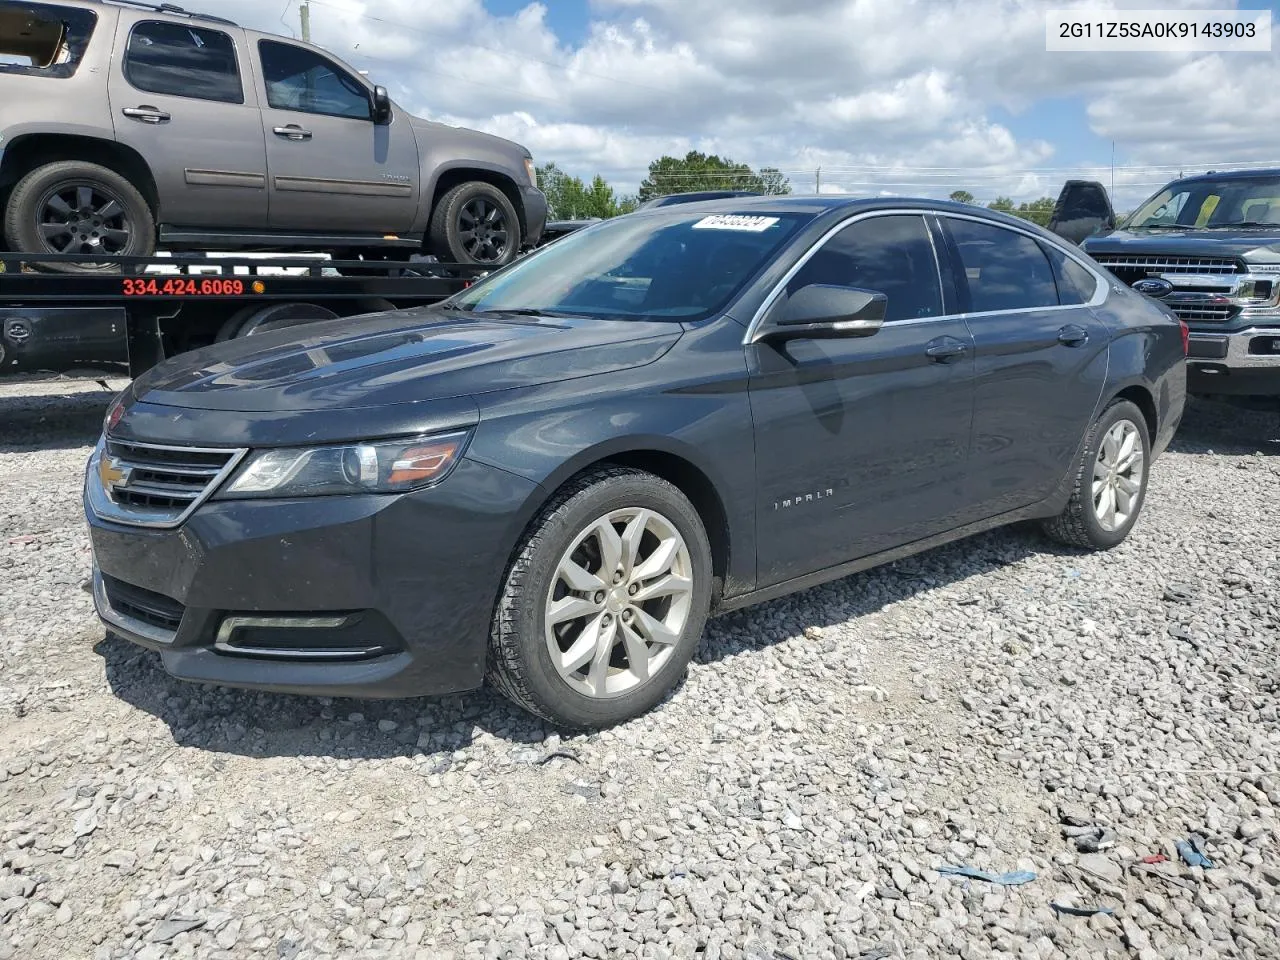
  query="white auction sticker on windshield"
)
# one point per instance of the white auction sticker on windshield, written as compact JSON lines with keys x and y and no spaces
{"x":729,"y":221}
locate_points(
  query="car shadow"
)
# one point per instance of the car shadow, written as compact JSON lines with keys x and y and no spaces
{"x":256,"y":724}
{"x":44,"y":421}
{"x":1220,"y":428}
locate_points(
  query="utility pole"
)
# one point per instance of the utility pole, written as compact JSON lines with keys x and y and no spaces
{"x":304,"y":12}
{"x":817,"y":181}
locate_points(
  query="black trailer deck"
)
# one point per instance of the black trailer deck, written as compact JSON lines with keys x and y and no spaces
{"x":149,"y":308}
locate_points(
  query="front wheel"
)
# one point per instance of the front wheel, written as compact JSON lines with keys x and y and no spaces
{"x":1110,"y":482}
{"x":475,"y":223}
{"x":74,"y":207}
{"x":605,"y":601}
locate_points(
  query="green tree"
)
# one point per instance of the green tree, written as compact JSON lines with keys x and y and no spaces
{"x":696,"y":171}
{"x":962,"y":196}
{"x":1037,"y":211}
{"x":1002,"y":204}
{"x":569,"y":198}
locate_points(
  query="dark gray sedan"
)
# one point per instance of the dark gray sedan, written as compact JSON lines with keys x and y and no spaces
{"x":551,"y":480}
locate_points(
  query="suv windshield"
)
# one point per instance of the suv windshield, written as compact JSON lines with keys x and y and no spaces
{"x":678,"y":265}
{"x":1210,"y":203}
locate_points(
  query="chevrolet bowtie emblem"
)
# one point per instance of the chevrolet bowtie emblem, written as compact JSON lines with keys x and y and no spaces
{"x":112,"y":475}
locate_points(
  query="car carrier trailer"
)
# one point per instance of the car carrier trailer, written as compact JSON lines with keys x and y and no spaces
{"x":151,"y":308}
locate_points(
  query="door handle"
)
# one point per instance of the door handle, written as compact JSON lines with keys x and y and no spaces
{"x":946,"y":349}
{"x":292,"y":132}
{"x":147,"y":114}
{"x":1073,"y":336}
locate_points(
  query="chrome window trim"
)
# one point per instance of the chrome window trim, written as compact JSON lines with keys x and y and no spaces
{"x":1099,"y":294}
{"x":104,"y":508}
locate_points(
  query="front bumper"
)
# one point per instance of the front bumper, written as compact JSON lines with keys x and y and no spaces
{"x":1240,"y":363}
{"x":535,"y":214}
{"x":362,"y":596}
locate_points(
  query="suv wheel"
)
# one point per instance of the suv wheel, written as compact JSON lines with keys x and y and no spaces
{"x":1110,"y":482}
{"x":605,"y":601}
{"x":475,"y":223}
{"x":73,"y":207}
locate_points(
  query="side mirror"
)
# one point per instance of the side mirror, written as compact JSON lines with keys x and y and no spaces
{"x":824,"y":311}
{"x":381,"y":106}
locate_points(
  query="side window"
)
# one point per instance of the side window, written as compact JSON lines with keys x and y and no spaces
{"x":892,"y":254}
{"x":1075,"y":283}
{"x":39,"y":40}
{"x":301,"y":80}
{"x":183,"y":61}
{"x":1004,"y":270}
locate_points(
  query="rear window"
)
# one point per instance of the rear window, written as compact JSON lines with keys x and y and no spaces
{"x":38,"y":39}
{"x":183,"y":61}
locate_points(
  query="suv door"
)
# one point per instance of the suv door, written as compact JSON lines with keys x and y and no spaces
{"x":331,"y":166}
{"x":861,"y":443}
{"x":179,"y":98}
{"x":1041,"y":360}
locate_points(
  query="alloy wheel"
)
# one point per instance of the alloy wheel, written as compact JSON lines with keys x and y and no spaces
{"x":483,"y":228}
{"x":1118,"y":476}
{"x":619,"y":602}
{"x":83,"y":217}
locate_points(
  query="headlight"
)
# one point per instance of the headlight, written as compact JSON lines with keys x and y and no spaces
{"x":391,"y":466}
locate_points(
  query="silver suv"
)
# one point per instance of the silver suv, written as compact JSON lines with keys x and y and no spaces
{"x":127,"y":124}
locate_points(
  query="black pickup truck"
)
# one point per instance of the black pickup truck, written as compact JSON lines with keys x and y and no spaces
{"x":1207,"y":246}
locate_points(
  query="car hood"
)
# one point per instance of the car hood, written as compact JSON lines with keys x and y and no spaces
{"x":397,"y":358}
{"x":1254,"y":245}
{"x":480,"y":145}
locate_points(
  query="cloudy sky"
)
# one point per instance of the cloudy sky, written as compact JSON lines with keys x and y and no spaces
{"x":886,"y":96}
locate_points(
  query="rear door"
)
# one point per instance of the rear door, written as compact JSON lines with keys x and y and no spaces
{"x":1041,"y":360}
{"x":331,"y":166}
{"x":180,"y":96}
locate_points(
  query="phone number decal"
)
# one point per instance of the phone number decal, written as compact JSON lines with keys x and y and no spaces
{"x":181,"y":287}
{"x":1159,"y":30}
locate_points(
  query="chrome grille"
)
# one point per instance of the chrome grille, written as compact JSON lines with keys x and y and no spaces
{"x":149,"y":485}
{"x":1169,"y":264}
{"x":1205,"y":313}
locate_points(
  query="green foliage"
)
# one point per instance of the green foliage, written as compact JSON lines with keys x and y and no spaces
{"x":569,"y":198}
{"x":697,"y":171}
{"x":1037,"y":211}
{"x":1003,"y":204}
{"x":962,"y":196}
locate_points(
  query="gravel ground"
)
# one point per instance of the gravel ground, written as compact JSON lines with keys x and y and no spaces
{"x":997,"y":704}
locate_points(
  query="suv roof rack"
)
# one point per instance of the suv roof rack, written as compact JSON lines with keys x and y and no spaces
{"x":173,"y":9}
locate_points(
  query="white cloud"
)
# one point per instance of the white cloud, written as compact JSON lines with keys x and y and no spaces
{"x":873,"y":91}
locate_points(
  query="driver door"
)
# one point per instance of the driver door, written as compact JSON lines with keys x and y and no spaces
{"x":330,"y":166}
{"x":862,"y":443}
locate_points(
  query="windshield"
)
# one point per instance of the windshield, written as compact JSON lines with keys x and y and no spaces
{"x":1212,"y":203}
{"x":670,"y":265}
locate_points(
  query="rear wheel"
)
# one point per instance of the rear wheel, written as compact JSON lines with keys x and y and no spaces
{"x":605,"y":601}
{"x":74,"y":207}
{"x":1110,"y":483}
{"x":475,"y":223}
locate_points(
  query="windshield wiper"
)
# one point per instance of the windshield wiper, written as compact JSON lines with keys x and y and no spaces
{"x":1244,"y":223}
{"x":1161,"y":226}
{"x":528,"y":312}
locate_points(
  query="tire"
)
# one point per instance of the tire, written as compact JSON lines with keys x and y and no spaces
{"x":520,"y":663}
{"x":448,"y":240}
{"x":1086,"y":522}
{"x":128,"y":229}
{"x":261,"y":318}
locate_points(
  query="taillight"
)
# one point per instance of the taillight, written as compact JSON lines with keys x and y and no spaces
{"x":1186,"y":337}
